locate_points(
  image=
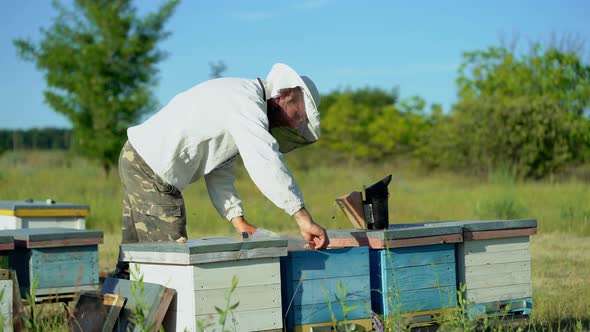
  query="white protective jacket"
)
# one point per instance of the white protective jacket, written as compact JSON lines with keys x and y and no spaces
{"x":202,"y":130}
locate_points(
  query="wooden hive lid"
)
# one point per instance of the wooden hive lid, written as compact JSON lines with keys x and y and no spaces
{"x":52,"y":237}
{"x":49,"y":208}
{"x":205,"y":250}
{"x":397,"y":235}
{"x":495,"y":229}
{"x":6,"y":242}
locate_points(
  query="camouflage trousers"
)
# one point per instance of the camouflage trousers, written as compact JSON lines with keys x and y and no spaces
{"x":153,"y":210}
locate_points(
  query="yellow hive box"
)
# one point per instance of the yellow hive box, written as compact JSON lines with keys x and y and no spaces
{"x":42,"y":214}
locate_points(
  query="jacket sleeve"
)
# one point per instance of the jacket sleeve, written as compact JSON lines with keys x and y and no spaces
{"x":223,"y":193}
{"x":263,"y":161}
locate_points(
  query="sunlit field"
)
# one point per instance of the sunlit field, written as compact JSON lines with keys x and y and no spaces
{"x":560,"y":251}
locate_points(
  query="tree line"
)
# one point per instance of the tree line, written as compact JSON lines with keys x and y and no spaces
{"x":35,"y":139}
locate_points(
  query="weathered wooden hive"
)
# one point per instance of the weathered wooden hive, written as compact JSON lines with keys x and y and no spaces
{"x":60,"y":261}
{"x":316,"y":285}
{"x":413,"y":271}
{"x":6,"y":283}
{"x":201,"y":273}
{"x":494,"y":264}
{"x":42,"y":214}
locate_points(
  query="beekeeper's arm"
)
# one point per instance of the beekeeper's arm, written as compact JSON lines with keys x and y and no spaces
{"x":263,"y":161}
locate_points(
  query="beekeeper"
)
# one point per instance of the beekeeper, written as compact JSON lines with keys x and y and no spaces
{"x":199,"y":134}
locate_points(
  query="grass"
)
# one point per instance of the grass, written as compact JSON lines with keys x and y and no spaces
{"x":560,"y":252}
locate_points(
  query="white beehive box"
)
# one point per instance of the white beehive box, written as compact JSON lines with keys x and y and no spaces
{"x":42,"y":214}
{"x":201,"y":272}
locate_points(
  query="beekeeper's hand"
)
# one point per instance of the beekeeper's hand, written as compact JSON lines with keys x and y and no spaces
{"x":314,"y":234}
{"x":241,"y":225}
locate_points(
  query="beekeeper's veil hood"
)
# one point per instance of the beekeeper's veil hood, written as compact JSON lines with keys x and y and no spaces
{"x":281,"y":77}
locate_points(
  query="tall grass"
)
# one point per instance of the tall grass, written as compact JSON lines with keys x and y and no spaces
{"x":560,"y":259}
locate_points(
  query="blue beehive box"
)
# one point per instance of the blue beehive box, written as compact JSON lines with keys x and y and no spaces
{"x":60,"y":261}
{"x":494,"y":265}
{"x":316,"y":285}
{"x":413,"y":274}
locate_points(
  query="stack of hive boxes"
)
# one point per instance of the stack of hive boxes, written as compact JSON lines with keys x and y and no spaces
{"x":201,"y":272}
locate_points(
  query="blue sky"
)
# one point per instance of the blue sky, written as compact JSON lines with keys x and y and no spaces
{"x":413,"y":45}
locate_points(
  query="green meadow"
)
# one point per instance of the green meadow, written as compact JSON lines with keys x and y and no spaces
{"x":560,"y":251}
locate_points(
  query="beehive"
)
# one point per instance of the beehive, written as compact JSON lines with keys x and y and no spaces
{"x":413,"y":274}
{"x":201,"y":273}
{"x":60,"y":261}
{"x":42,"y":214}
{"x":494,"y":264}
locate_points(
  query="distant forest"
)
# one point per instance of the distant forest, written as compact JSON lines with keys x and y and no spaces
{"x":35,"y":139}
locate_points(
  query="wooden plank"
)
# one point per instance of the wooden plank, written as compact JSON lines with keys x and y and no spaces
{"x":95,"y":312}
{"x":204,"y":246}
{"x":488,"y":225}
{"x":416,"y":256}
{"x":321,"y":264}
{"x":162,"y":308}
{"x":496,"y":245}
{"x":316,"y":291}
{"x":17,"y":304}
{"x":479,"y":270}
{"x":419,"y":277}
{"x":6,"y":304}
{"x":256,"y":320}
{"x":322,"y":312}
{"x":360,"y":325}
{"x":153,"y":296}
{"x":408,"y":231}
{"x":251,"y":298}
{"x":4,"y":274}
{"x":520,"y":306}
{"x":419,"y":300}
{"x":421,"y":241}
{"x":219,"y":275}
{"x":486,"y":235}
{"x":492,"y":258}
{"x":482,"y":295}
{"x":47,"y":293}
{"x":27,"y":236}
{"x":498,"y":279}
{"x":352,"y":206}
{"x":182,"y":258}
{"x":58,"y":243}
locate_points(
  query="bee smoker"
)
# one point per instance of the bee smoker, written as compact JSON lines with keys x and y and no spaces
{"x":375,"y":206}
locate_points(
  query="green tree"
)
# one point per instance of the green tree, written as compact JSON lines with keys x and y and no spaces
{"x":371,"y":124}
{"x":99,"y":60}
{"x":528,"y":113}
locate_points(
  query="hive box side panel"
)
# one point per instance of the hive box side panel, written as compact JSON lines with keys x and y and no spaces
{"x":416,"y":256}
{"x":9,"y":222}
{"x":322,"y":312}
{"x":497,"y":245}
{"x":420,"y":277}
{"x":256,"y":272}
{"x":491,"y":258}
{"x":420,"y":300}
{"x":65,"y":266}
{"x":259,"y":320}
{"x":326,"y":290}
{"x":61,"y":222}
{"x":250,"y":298}
{"x":491,"y":294}
{"x":306,"y":265}
{"x":178,"y":277}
